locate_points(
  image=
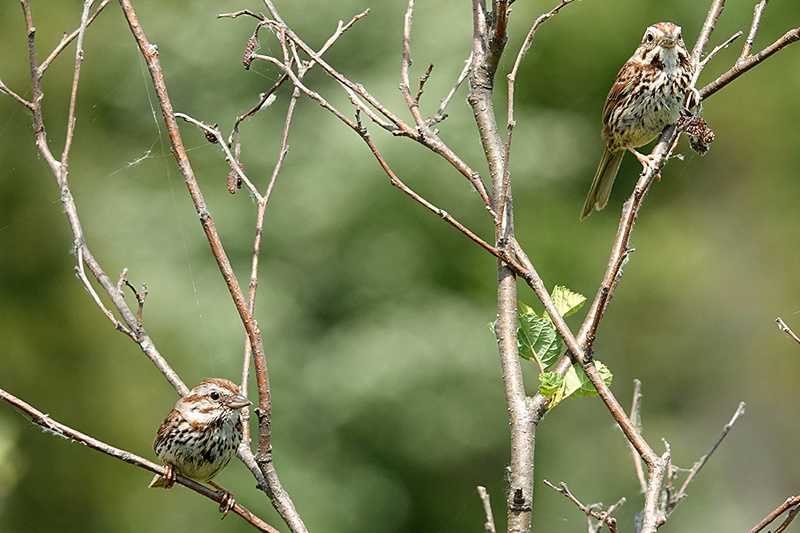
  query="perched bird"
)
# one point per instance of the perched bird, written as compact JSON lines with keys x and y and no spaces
{"x":201,"y":434}
{"x":647,"y":96}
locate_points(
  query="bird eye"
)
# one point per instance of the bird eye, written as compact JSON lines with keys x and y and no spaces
{"x":214,"y":395}
{"x":648,"y":38}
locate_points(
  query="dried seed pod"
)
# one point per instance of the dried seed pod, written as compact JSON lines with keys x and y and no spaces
{"x":210,"y":137}
{"x":248,"y":52}
{"x":234,"y":180}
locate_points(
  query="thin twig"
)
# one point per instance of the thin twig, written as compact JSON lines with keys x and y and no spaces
{"x":681,"y":494}
{"x":758,"y":12}
{"x":67,"y":39}
{"x":422,"y":80}
{"x":705,"y":32}
{"x":5,"y":89}
{"x":636,"y":420}
{"x":602,"y":517}
{"x":263,"y":98}
{"x":719,"y":47}
{"x":52,"y":426}
{"x":229,"y":157}
{"x":791,"y":502}
{"x":81,"y":273}
{"x":791,"y":515}
{"x":489,"y":526}
{"x":738,"y":69}
{"x":73,"y":97}
{"x":784,"y":328}
{"x":512,"y":78}
{"x":440,"y":113}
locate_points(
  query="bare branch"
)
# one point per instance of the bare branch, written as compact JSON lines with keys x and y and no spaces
{"x":652,"y":517}
{"x":489,"y":526}
{"x":5,"y":89}
{"x":636,"y":420}
{"x":741,"y":67}
{"x":792,"y":502}
{"x":758,"y":12}
{"x":422,"y":80}
{"x":232,"y":160}
{"x":602,"y":517}
{"x":67,"y":39}
{"x":791,"y":515}
{"x":705,"y":32}
{"x":681,"y":494}
{"x":440,"y":114}
{"x":784,"y":328}
{"x":719,"y":47}
{"x":81,"y":273}
{"x":512,"y":78}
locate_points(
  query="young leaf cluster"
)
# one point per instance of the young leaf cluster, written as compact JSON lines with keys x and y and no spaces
{"x":539,"y":341}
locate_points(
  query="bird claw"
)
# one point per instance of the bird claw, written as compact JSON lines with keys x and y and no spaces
{"x":170,"y":475}
{"x":228,"y":501}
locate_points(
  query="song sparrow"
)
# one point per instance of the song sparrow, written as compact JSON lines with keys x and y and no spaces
{"x":201,"y":434}
{"x":647,"y":96}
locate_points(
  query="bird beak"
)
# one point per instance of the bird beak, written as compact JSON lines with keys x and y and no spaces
{"x":239,"y":401}
{"x":668,"y":41}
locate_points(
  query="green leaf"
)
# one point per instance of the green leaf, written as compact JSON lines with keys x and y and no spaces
{"x":586,"y":388}
{"x":550,"y":384}
{"x":567,"y":302}
{"x":574,"y":383}
{"x":537,"y":339}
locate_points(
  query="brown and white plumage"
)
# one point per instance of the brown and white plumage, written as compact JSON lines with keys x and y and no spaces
{"x":647,"y":96}
{"x":201,"y":434}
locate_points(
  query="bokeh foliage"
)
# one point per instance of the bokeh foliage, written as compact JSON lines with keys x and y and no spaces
{"x":387,"y":398}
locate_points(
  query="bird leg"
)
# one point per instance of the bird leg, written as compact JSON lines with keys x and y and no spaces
{"x":645,"y":160}
{"x":228,"y":501}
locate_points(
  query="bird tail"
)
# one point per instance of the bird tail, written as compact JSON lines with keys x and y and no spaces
{"x":602,"y":182}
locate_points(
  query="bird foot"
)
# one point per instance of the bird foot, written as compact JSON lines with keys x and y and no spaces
{"x":228,"y":501}
{"x":645,"y":160}
{"x":170,"y":475}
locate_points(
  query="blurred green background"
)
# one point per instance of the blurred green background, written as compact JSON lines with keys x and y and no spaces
{"x":387,"y":396}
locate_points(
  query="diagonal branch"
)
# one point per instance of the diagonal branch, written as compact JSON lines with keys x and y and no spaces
{"x":792,"y":503}
{"x":741,"y":67}
{"x":681,"y":494}
{"x":129,"y":323}
{"x":279,"y":497}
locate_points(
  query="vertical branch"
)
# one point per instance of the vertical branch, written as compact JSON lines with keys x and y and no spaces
{"x":488,"y":44}
{"x":73,"y":97}
{"x":758,"y":12}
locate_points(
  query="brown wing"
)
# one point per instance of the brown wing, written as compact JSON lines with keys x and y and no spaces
{"x":163,"y":429}
{"x":623,"y":85}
